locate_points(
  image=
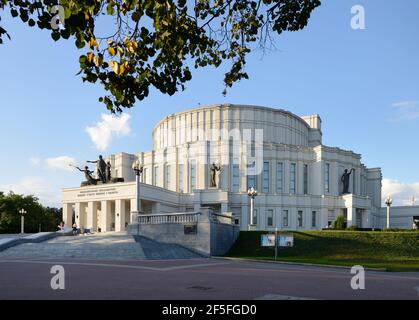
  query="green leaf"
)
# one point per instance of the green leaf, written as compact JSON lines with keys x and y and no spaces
{"x":55,"y":36}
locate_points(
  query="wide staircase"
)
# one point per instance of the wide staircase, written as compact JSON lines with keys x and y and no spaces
{"x":100,"y":246}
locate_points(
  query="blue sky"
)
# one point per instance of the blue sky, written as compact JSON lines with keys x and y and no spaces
{"x":363,"y":83}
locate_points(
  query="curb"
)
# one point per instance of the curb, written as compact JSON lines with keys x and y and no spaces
{"x":298,"y":263}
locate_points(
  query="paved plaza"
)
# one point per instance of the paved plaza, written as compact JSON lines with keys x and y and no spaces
{"x":194,"y":279}
{"x":118,"y":266}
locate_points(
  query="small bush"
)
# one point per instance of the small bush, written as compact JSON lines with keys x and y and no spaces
{"x":353,"y":227}
{"x":398,"y":230}
{"x":339,"y":223}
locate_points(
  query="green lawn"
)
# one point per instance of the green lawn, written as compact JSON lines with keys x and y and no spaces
{"x":395,"y":251}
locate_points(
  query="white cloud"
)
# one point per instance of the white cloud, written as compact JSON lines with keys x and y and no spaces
{"x":60,"y":163}
{"x":39,"y":187}
{"x":405,"y":110}
{"x":101,"y":134}
{"x":400,"y":192}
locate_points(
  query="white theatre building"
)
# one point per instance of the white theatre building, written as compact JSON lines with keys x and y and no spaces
{"x":298,"y":179}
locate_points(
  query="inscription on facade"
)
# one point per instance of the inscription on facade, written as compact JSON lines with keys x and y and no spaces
{"x":97,"y":192}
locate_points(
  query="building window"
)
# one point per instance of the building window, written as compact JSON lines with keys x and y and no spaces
{"x":327,"y":178}
{"x":193,"y":175}
{"x":300,"y":219}
{"x":167,"y":182}
{"x":236,"y":178}
{"x":251,"y":181}
{"x":305,"y":178}
{"x":181,"y":185}
{"x":270,"y":218}
{"x":279,"y":177}
{"x":313,"y":219}
{"x":255,"y":217}
{"x":156,"y":176}
{"x":285,"y":218}
{"x":292,"y":178}
{"x":266,"y":177}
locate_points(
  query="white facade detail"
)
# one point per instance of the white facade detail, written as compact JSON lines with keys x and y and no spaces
{"x":298,"y":179}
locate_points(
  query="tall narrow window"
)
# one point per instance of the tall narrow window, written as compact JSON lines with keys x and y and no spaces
{"x":193,"y":175}
{"x":313,"y":219}
{"x":181,"y":184}
{"x":251,"y":181}
{"x":270,"y":218}
{"x":255,"y":217}
{"x":266,"y":177}
{"x":236,"y":178}
{"x":327,"y":178}
{"x":300,"y":219}
{"x":167,"y":182}
{"x":305,"y":178}
{"x":156,"y":176}
{"x":285,"y":218}
{"x":292,"y":178}
{"x":279,"y":177}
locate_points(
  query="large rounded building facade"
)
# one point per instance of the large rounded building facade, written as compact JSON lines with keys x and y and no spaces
{"x":211,"y":156}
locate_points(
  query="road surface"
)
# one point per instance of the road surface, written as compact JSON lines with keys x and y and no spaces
{"x":30,"y":278}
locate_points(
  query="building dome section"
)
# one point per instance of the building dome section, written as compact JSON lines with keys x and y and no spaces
{"x":221,"y":122}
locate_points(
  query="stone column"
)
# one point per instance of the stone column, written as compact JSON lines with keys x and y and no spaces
{"x":367,"y":219}
{"x":92,"y":215}
{"x":323,"y":218}
{"x":351,"y":216}
{"x":105,"y":216}
{"x":68,"y":214}
{"x":134,"y":213}
{"x":77,"y":212}
{"x":120,"y":215}
{"x":244,"y":218}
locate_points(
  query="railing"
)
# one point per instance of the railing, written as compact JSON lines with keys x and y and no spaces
{"x":222,"y":218}
{"x":183,"y":217}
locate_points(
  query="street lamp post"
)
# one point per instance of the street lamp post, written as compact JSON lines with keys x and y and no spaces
{"x":252,"y":193}
{"x":389,"y":202}
{"x":22,"y":220}
{"x":138,"y":169}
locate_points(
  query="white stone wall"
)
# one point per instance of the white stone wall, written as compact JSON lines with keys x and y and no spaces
{"x":194,"y":136}
{"x":400,"y":217}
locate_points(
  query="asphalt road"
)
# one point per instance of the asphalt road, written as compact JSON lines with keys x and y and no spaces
{"x":194,"y":279}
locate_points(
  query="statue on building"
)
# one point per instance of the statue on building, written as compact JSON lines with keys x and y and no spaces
{"x":100,"y":169}
{"x":214,"y":169}
{"x":88,"y":175}
{"x":345,"y":180}
{"x":108,"y":172}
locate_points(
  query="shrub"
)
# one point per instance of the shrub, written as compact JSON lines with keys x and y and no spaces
{"x":398,"y":230}
{"x":353,"y":227}
{"x":339,"y":223}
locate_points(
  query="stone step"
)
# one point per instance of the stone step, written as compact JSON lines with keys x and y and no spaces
{"x":108,"y":246}
{"x":157,"y":250}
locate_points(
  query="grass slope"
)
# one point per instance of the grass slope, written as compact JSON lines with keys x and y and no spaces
{"x":395,"y":251}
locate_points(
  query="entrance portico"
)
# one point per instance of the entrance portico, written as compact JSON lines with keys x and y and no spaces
{"x":108,"y":208}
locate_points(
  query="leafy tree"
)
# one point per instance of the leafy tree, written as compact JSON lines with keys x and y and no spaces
{"x":10,"y":205}
{"x":154,"y":41}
